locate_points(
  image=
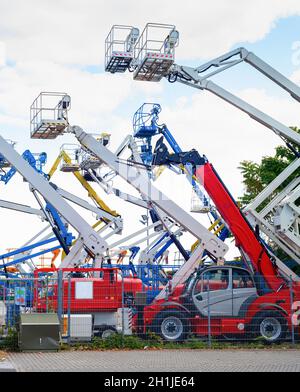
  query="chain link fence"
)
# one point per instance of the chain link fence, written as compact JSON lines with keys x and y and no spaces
{"x":216,"y":305}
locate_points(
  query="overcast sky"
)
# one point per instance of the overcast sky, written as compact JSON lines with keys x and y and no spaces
{"x":59,"y":46}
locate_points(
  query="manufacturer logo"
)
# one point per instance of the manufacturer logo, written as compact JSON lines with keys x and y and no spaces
{"x":2,"y":54}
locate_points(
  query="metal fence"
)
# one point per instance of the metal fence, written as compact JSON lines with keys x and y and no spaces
{"x":222,"y":305}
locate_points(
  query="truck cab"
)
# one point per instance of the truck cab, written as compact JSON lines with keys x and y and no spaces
{"x":220,"y":291}
{"x":223,"y":301}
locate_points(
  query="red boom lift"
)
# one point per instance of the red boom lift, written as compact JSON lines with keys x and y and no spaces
{"x":253,"y":301}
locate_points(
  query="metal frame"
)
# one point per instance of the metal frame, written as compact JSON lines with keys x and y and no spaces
{"x":88,"y":238}
{"x":207,"y":241}
{"x":153,"y":55}
{"x":119,"y":45}
{"x":279,"y":217}
{"x":49,"y":119}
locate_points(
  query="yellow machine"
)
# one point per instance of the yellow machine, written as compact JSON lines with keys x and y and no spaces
{"x":63,"y":156}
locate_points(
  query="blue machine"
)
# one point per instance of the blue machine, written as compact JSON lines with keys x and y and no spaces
{"x":38,"y":161}
{"x":145,"y":127}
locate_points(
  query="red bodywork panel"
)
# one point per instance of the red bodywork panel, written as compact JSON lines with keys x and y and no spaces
{"x":238,"y":225}
{"x":227,"y":325}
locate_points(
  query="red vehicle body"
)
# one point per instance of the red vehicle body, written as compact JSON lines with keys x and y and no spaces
{"x":102,"y":293}
{"x":260,"y":307}
{"x":220,"y":300}
{"x":106,"y":290}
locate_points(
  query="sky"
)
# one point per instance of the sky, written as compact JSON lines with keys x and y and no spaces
{"x":59,"y":46}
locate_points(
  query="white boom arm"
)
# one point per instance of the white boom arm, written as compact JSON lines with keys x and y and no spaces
{"x":207,"y":241}
{"x":88,"y":237}
{"x":199,"y":78}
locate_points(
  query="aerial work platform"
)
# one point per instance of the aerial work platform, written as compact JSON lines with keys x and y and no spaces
{"x":149,"y":55}
{"x":155,"y":52}
{"x":119,"y":46}
{"x":48,"y":118}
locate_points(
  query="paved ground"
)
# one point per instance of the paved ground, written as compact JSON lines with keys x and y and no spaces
{"x":167,"y":361}
{"x":5,"y":365}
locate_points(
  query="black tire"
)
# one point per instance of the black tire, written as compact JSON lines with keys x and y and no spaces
{"x":104,"y":331}
{"x":172,"y":325}
{"x":269,"y":325}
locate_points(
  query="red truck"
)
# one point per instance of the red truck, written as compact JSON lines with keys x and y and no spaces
{"x":102,"y":293}
{"x":251,"y":302}
{"x":257,"y":301}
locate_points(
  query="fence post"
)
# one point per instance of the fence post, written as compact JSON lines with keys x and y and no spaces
{"x":292,"y":301}
{"x":208,"y":315}
{"x":8,"y":307}
{"x":69,"y":309}
{"x":47,"y":296}
{"x":123,"y":300}
{"x":60,"y":297}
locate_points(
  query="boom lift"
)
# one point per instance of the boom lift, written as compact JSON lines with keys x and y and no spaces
{"x":207,"y":241}
{"x":146,"y":127}
{"x":199,"y":77}
{"x":73,"y":166}
{"x":156,"y":201}
{"x":72,"y":157}
{"x":88,"y":238}
{"x":37,"y":162}
{"x":285,"y":229}
{"x":256,"y":300}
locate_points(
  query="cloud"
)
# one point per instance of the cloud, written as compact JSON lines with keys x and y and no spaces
{"x":73,"y":31}
{"x":296,"y":77}
{"x":95,"y":96}
{"x":226,"y":135}
{"x":2,"y":54}
{"x":50,"y":46}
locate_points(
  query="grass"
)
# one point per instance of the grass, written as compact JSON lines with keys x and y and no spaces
{"x":153,"y":342}
{"x":10,"y":342}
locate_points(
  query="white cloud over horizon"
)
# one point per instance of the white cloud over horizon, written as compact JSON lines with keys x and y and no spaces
{"x":74,"y":31}
{"x":50,"y":47}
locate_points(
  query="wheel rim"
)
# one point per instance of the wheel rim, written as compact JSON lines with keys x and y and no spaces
{"x":172,"y":328}
{"x":107,"y":333}
{"x":270,"y":329}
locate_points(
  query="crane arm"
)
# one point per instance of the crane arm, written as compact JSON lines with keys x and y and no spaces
{"x":91,"y":192}
{"x":200,"y":78}
{"x":246,"y":238}
{"x":208,"y":241}
{"x":90,"y":239}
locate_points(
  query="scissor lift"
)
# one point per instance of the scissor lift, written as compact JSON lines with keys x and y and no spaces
{"x":119,"y":46}
{"x":155,"y":52}
{"x":49,"y":115}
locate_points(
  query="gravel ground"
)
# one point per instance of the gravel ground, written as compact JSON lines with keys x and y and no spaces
{"x":159,"y":361}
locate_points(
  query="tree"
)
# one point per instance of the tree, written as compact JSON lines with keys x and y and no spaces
{"x":257,"y":176}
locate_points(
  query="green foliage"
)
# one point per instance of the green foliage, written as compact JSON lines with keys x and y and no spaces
{"x":119,"y":342}
{"x":10,"y":342}
{"x":257,"y":177}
